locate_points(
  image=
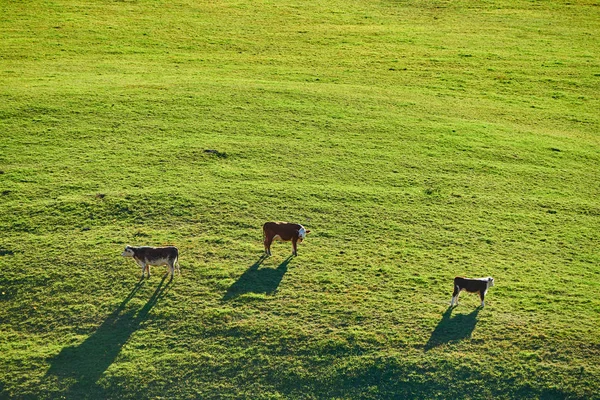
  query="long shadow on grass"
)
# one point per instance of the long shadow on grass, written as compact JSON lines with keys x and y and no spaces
{"x":453,"y":329}
{"x":255,"y":280}
{"x":79,"y":367}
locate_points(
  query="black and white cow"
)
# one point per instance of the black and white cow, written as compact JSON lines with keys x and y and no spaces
{"x":146,"y":256}
{"x":480,"y":285}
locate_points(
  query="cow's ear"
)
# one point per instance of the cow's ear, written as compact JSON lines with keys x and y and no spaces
{"x":307,"y":232}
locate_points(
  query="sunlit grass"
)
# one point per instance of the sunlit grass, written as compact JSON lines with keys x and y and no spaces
{"x":416,"y":140}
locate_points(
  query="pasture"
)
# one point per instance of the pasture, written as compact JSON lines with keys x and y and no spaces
{"x":418,"y":140}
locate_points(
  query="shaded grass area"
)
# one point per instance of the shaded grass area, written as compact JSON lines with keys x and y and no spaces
{"x":417,"y":140}
{"x":84,"y":364}
{"x":253,"y":280}
{"x":452,"y":329}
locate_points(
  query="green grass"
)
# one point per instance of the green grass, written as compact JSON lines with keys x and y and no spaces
{"x":417,"y":140}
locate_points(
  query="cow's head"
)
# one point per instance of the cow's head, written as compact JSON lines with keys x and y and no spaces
{"x":490,"y":282}
{"x":128,"y":252}
{"x":302,"y":233}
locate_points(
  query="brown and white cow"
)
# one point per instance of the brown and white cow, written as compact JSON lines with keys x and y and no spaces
{"x":480,"y":285}
{"x":146,"y":256}
{"x":284,"y":232}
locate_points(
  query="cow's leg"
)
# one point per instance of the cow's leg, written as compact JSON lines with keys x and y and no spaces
{"x":148,"y":269}
{"x":172,"y":268}
{"x":295,"y":246}
{"x":454,"y":300}
{"x":482,"y":296}
{"x":268,"y":241}
{"x":141,"y":264}
{"x":455,"y":296}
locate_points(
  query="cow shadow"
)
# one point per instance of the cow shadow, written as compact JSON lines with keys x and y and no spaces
{"x":255,"y":280}
{"x":79,"y":367}
{"x":453,"y":329}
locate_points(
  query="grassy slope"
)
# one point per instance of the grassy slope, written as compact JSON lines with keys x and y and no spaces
{"x":418,"y":140}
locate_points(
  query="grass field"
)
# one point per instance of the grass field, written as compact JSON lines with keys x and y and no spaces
{"x":417,"y":140}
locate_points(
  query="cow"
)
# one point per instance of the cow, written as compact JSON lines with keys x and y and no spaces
{"x":480,"y":285}
{"x":146,"y":256}
{"x":284,"y":232}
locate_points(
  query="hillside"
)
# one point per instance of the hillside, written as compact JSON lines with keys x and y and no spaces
{"x":417,"y":140}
